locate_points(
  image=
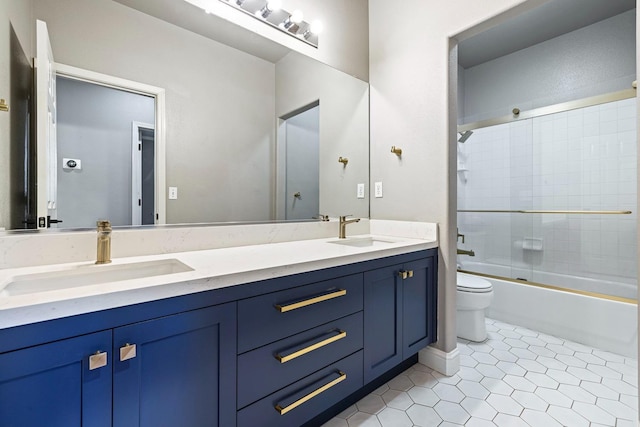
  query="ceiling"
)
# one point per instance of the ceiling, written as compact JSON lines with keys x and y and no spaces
{"x":543,"y":23}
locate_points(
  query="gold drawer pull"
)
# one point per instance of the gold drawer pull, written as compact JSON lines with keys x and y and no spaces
{"x":319,"y":298}
{"x":311,"y":395}
{"x":288,"y":357}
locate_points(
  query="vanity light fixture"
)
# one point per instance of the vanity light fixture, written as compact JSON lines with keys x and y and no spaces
{"x":270,"y":7}
{"x":271,"y":12}
{"x":343,"y":160}
{"x":296,"y":18}
{"x":396,"y":150}
{"x":313,"y":29}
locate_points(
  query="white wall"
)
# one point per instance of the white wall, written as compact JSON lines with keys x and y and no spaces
{"x":212,"y":92}
{"x":344,"y":121}
{"x":16,"y":13}
{"x":94,"y":126}
{"x":590,"y":61}
{"x":410,"y":108}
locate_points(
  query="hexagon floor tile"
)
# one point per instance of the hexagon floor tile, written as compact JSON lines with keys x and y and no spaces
{"x":518,"y":377}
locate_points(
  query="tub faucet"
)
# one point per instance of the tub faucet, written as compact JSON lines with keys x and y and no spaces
{"x":465,"y":252}
{"x":104,"y":242}
{"x":343,"y":225}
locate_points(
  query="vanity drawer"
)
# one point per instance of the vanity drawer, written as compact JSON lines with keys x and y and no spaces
{"x":271,"y":317}
{"x":269,"y":368}
{"x":305,"y":399}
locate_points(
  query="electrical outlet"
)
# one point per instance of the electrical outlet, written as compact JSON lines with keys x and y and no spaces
{"x":360,"y":191}
{"x":173,"y":193}
{"x":378,"y":189}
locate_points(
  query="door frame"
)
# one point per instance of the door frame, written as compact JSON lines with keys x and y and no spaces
{"x":136,"y":170}
{"x":158,"y":94}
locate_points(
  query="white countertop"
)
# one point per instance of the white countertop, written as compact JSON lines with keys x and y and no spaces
{"x":211,"y":269}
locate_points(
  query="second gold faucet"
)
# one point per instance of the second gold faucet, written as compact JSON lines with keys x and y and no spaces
{"x":343,"y":225}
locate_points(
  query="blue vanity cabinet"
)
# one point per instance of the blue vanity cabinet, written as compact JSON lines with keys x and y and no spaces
{"x":177,"y":370}
{"x":400,"y":304}
{"x":419,"y":305}
{"x":65,"y":383}
{"x":299,"y":350}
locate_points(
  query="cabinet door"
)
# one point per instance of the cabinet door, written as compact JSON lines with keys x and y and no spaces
{"x":55,"y":385}
{"x":180,"y":373}
{"x":382,"y":321}
{"x":418,"y":306}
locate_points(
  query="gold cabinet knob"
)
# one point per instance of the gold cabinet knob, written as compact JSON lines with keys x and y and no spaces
{"x":97,"y":360}
{"x":128,"y":351}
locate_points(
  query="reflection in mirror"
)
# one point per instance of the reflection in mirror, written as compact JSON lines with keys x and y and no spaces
{"x":222,"y":118}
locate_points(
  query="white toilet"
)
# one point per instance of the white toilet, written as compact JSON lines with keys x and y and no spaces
{"x":473,"y":296}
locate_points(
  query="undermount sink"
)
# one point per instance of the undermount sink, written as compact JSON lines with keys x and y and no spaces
{"x":363,"y":242}
{"x":87,"y":275}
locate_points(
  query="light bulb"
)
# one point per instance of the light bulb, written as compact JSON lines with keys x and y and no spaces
{"x":316,"y":27}
{"x":274,"y":5}
{"x":271,"y":6}
{"x":297,"y":16}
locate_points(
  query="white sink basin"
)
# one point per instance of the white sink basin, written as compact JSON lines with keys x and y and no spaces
{"x":87,"y":275}
{"x":363,"y":242}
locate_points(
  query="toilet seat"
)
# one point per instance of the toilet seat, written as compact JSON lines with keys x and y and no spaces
{"x":473,"y":284}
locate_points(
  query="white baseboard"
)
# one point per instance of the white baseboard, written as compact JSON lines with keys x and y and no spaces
{"x":438,"y":360}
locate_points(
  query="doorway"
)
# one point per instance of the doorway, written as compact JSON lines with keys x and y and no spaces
{"x":143,"y":174}
{"x":96,"y":176}
{"x":300,"y":135}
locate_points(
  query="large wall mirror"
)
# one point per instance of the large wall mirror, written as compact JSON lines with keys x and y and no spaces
{"x":252,"y":131}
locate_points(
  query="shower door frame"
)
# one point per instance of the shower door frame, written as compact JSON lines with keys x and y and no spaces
{"x":539,"y":112}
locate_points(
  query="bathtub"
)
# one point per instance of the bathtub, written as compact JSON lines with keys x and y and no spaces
{"x":601,"y":323}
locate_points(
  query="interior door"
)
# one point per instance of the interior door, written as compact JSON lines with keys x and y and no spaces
{"x":143,"y":174}
{"x":46,"y":186}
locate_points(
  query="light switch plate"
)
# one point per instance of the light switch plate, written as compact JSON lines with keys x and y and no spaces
{"x":360,"y":191}
{"x":378,"y":189}
{"x":173,"y":193}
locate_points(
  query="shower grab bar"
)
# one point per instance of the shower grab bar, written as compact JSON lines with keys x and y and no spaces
{"x":547,"y":212}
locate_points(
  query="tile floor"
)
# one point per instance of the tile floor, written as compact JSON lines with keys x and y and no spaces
{"x":518,"y":377}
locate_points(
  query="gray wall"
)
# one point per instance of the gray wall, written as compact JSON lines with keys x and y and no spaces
{"x":221,"y":165}
{"x":94,"y":125}
{"x":18,"y":13}
{"x":590,"y":61}
{"x":344,"y":123}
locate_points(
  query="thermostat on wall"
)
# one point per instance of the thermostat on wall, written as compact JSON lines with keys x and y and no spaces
{"x":71,"y":164}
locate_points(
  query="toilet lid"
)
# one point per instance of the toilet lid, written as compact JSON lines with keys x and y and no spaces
{"x":470,"y":283}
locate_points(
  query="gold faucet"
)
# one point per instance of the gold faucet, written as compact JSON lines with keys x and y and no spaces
{"x":343,"y":225}
{"x":104,"y":242}
{"x":465,"y":252}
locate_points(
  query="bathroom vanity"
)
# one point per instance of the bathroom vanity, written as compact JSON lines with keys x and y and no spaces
{"x":259,"y":343}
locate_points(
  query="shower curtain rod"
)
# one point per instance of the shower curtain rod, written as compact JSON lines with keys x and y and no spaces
{"x":548,"y":212}
{"x":550,"y":109}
